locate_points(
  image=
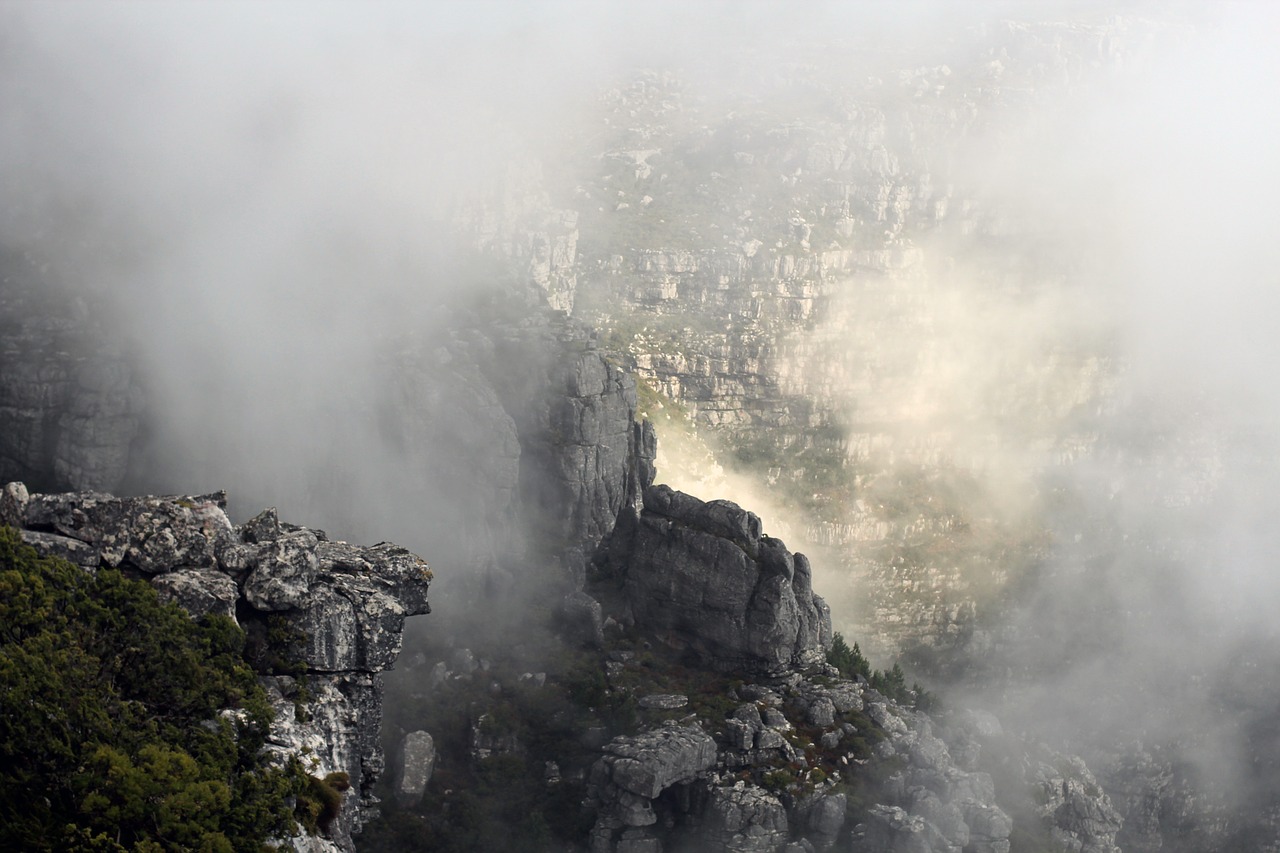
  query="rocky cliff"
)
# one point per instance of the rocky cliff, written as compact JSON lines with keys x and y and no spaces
{"x":324,"y":617}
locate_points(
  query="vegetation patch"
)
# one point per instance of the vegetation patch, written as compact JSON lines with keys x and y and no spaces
{"x":125,"y":725}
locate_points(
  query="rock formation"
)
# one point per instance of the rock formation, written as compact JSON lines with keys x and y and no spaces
{"x":329,"y":613}
{"x":703,"y":577}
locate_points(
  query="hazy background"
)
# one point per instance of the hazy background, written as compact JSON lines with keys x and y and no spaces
{"x":262,"y":194}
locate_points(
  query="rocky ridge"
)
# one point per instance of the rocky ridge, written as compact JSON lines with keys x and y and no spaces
{"x":324,"y":617}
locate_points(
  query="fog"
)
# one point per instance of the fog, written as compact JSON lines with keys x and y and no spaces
{"x":264,"y":199}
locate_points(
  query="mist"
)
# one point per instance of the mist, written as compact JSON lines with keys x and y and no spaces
{"x":264,"y":201}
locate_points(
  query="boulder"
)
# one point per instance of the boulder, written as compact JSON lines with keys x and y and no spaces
{"x":417,"y":761}
{"x":199,"y":591}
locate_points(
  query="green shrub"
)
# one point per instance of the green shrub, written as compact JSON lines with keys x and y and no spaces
{"x":112,"y":729}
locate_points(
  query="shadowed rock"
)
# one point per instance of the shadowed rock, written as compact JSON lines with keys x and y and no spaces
{"x":701,"y":576}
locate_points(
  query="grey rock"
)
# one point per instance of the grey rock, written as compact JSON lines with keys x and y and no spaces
{"x":775,"y":719}
{"x":1072,"y":803}
{"x":354,"y":605}
{"x":13,"y":504}
{"x":70,"y":399}
{"x":739,"y":734}
{"x":749,"y":713}
{"x":884,"y":718}
{"x":646,"y":764}
{"x":701,"y":575}
{"x":929,"y":752}
{"x":744,"y":819}
{"x":663,"y":701}
{"x":62,"y":547}
{"x":417,"y":762}
{"x":770,"y":739}
{"x":286,"y":568}
{"x":583,"y":619}
{"x":947,"y":818}
{"x":262,"y":528}
{"x":151,"y":534}
{"x":821,"y":712}
{"x":199,"y":591}
{"x":889,"y":829}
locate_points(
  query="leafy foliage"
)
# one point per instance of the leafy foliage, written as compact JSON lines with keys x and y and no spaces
{"x":123,"y":723}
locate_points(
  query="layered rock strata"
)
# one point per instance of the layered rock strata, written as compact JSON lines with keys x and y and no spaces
{"x":329,"y":612}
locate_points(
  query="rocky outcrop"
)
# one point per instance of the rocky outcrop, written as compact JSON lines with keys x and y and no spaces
{"x":330,"y":613}
{"x":703,"y":577}
{"x":633,"y":772}
{"x":1073,"y":803}
{"x":417,"y":761}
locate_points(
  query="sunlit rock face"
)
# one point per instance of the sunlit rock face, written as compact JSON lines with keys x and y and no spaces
{"x":331,"y":610}
{"x":702,"y":576}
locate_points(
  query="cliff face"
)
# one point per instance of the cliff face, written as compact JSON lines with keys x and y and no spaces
{"x":70,"y":400}
{"x":328,"y":613}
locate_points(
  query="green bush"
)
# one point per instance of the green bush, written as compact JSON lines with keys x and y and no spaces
{"x":890,"y":682}
{"x":112,"y":729}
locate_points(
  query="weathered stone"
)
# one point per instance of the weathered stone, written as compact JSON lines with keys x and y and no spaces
{"x":701,"y":575}
{"x":744,"y":819}
{"x":770,"y":739}
{"x":749,"y":713}
{"x":663,"y":701}
{"x":62,"y":547}
{"x":946,"y":818}
{"x":199,"y":591}
{"x":929,"y":752}
{"x":286,"y":568}
{"x":1073,"y":805}
{"x":739,"y":734}
{"x":13,"y":505}
{"x":356,"y":602}
{"x":646,"y":764}
{"x":583,"y":619}
{"x":821,"y":712}
{"x":417,"y":761}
